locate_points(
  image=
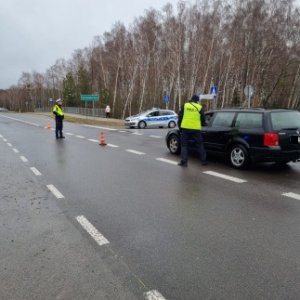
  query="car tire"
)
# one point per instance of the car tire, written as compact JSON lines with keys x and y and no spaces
{"x":238,"y":156}
{"x":174,"y":144}
{"x":171,"y":124}
{"x":142,"y":125}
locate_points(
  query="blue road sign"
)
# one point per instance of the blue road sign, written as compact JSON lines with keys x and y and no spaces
{"x":166,"y":98}
{"x":214,"y":90}
{"x":50,"y":100}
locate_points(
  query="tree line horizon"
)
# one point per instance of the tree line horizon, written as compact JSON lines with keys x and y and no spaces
{"x":179,"y":51}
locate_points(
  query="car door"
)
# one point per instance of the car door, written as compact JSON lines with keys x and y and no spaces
{"x":218,"y":131}
{"x":249,"y":128}
{"x":152,"y":119}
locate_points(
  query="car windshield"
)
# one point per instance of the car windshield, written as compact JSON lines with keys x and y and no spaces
{"x":285,"y":120}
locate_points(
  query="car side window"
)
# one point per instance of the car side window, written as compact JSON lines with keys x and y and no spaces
{"x":249,"y":120}
{"x":223,"y":119}
{"x":153,"y":114}
{"x":208,"y":117}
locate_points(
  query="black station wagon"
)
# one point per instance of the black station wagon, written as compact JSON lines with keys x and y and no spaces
{"x":245,"y":136}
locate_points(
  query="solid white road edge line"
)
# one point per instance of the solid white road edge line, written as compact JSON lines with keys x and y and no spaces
{"x":15,"y":150}
{"x":135,"y":152}
{"x":292,"y":195}
{"x":55,"y":191}
{"x":34,"y":124}
{"x":23,"y":158}
{"x":172,"y":162}
{"x":234,"y":179}
{"x":35,"y":171}
{"x":154,"y":295}
{"x":92,"y":231}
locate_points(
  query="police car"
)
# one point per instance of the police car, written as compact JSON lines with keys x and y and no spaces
{"x":153,"y":118}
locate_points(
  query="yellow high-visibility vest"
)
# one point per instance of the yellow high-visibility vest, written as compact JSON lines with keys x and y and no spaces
{"x":58,"y":109}
{"x":191,"y":116}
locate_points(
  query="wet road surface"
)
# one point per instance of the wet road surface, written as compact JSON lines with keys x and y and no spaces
{"x":161,"y":231}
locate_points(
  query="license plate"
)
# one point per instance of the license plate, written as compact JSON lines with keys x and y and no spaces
{"x":295,"y":139}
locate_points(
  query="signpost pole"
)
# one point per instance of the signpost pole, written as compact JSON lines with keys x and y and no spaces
{"x":248,"y":92}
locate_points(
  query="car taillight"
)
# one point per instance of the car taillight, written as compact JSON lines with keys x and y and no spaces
{"x":271,"y":139}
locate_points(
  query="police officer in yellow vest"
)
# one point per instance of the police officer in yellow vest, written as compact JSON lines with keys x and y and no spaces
{"x":59,"y":116}
{"x":190,"y":121}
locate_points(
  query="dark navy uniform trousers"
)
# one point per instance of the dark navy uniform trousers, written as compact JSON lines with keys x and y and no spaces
{"x":196,"y":135}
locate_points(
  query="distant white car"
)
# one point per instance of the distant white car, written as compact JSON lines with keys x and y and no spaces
{"x":153,"y":118}
{"x":2,"y":109}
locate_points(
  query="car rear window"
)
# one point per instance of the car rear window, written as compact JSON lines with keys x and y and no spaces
{"x":285,"y":120}
{"x":249,"y":120}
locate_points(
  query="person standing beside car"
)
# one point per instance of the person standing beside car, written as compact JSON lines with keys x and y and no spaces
{"x":191,"y":118}
{"x":59,"y":116}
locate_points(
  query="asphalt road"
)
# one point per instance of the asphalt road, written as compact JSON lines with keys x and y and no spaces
{"x":123,"y":221}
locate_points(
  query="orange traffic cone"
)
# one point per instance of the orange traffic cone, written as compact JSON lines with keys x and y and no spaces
{"x":102,"y":139}
{"x":49,"y":125}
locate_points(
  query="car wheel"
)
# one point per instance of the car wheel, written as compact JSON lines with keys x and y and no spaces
{"x":171,"y":124}
{"x":174,"y":144}
{"x":238,"y":156}
{"x":142,"y":125}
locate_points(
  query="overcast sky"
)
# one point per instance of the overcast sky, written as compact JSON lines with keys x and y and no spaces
{"x":35,"y":33}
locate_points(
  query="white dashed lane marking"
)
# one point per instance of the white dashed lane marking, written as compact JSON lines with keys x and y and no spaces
{"x":80,"y":136}
{"x":23,"y":158}
{"x":35,"y":171}
{"x":55,"y":191}
{"x":135,"y":152}
{"x":234,"y":179}
{"x":93,"y":140}
{"x":69,"y":133}
{"x":136,"y":133}
{"x":9,"y":144}
{"x":168,"y":161}
{"x":112,"y":145}
{"x":155,"y":136}
{"x":292,"y":195}
{"x":5,"y":140}
{"x":100,"y":127}
{"x":154,"y":295}
{"x":92,"y":231}
{"x":15,"y":150}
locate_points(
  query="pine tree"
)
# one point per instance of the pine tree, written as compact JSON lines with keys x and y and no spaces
{"x":69,"y":90}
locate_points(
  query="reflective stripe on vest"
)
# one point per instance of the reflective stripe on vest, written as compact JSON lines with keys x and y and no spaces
{"x":59,"y":110}
{"x":191,"y":116}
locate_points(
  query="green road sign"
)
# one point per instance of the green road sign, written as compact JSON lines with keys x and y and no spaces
{"x":89,"y":97}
